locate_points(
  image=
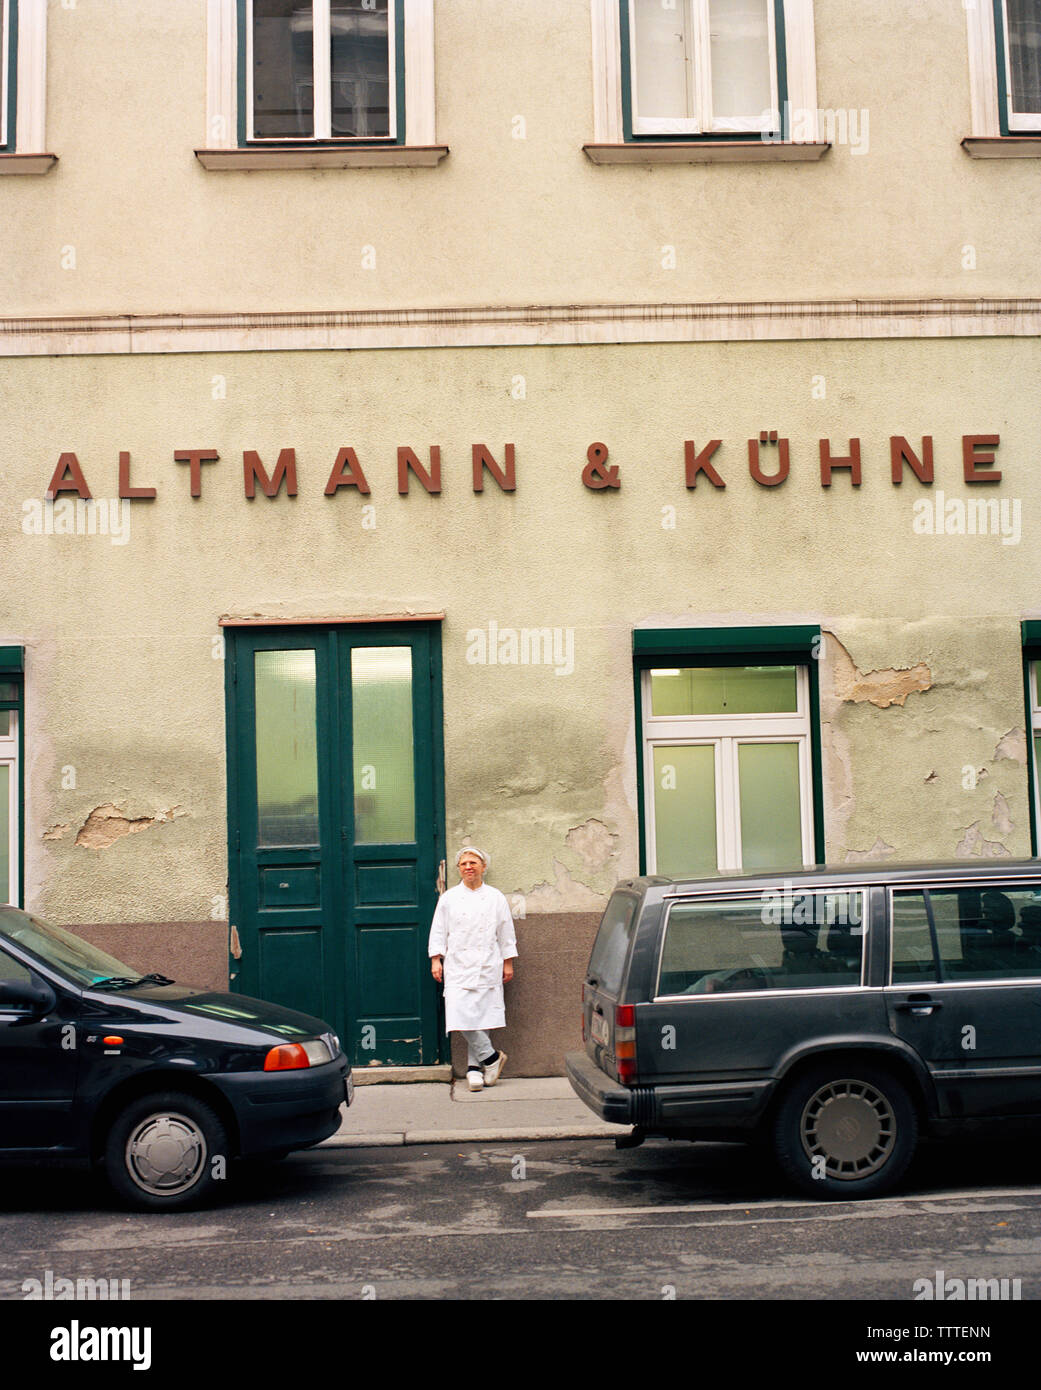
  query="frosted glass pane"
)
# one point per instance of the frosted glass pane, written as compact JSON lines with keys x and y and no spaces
{"x":771,"y":824}
{"x":5,"y":723}
{"x":739,"y":47}
{"x":287,"y":748}
{"x":660,"y":60}
{"x":5,"y":832}
{"x":384,"y":780}
{"x":1024,"y":43}
{"x":724,"y":690}
{"x":685,"y":810}
{"x":283,"y":68}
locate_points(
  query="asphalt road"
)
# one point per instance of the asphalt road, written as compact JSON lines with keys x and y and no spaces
{"x":563,"y":1221}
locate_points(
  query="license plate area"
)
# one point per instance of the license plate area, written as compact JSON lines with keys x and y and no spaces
{"x":598,"y":1028}
{"x":348,"y":1087}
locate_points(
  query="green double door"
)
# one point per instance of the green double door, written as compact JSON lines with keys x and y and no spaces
{"x":336,"y":828}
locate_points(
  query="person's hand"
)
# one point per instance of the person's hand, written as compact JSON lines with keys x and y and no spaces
{"x":437,"y":968}
{"x":507,"y":971}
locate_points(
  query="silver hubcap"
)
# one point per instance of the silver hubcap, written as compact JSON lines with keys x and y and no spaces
{"x":851,"y":1126}
{"x":165,"y":1154}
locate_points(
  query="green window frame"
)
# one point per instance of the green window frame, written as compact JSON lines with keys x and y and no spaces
{"x":396,"y":75}
{"x":797,"y":646}
{"x":8,"y":72}
{"x":1031,"y":633}
{"x":1012,"y":122}
{"x":12,"y":756}
{"x":692,"y":13}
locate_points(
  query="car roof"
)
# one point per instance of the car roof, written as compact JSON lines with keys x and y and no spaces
{"x":867,"y":872}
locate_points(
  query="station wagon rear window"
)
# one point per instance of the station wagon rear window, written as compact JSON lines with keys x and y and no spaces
{"x":970,"y":933}
{"x":611,"y":947}
{"x":789,"y":941}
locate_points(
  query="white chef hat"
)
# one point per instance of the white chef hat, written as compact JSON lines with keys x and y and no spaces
{"x":471,"y":849}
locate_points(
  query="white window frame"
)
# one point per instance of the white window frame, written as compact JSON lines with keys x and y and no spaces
{"x":801,"y":66}
{"x":1035,"y":731}
{"x":29,"y":66}
{"x":726,"y":733}
{"x":699,"y":80}
{"x":222,"y":94}
{"x":985,"y":99}
{"x":9,"y":758}
{"x":321,"y":80}
{"x":1022,"y":122}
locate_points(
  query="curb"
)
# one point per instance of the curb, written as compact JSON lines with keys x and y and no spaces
{"x":393,"y":1138}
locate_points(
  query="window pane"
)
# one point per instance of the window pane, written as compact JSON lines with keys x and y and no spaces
{"x":724,"y":690}
{"x":802,"y":941}
{"x":1024,"y":44}
{"x":287,"y":748}
{"x":661,"y":62}
{"x":8,"y":690}
{"x":771,"y":822}
{"x":685,"y":810}
{"x":739,"y":48}
{"x":5,"y":832}
{"x":360,"y":68}
{"x":283,"y":68}
{"x":5,"y":723}
{"x":384,"y":781}
{"x":988,"y":934}
{"x":612,"y":942}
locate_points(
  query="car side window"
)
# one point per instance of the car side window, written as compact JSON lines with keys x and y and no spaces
{"x":607,"y":961}
{"x":978,"y":933}
{"x":812,"y":940}
{"x":12,"y":972}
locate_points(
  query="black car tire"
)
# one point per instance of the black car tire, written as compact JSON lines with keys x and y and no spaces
{"x":845,"y":1131}
{"x":166,"y":1152}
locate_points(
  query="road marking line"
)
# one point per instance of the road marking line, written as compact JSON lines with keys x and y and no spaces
{"x":807,"y":1204}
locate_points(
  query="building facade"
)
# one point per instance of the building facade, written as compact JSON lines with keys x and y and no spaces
{"x":603,"y":431}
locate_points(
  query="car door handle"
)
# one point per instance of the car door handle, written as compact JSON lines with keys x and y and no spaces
{"x":921,"y":1007}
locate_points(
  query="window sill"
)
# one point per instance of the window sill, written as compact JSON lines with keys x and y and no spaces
{"x":27,"y":163}
{"x":1002,"y":146}
{"x":326,"y":157}
{"x":753,"y":151}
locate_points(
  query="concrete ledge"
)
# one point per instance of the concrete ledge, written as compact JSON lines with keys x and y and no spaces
{"x":377,"y":1076}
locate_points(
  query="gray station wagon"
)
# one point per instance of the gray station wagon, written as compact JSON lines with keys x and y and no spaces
{"x":835,"y":1014}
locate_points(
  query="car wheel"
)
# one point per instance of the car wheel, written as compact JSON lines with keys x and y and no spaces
{"x":844,"y":1132}
{"x":166,"y":1152}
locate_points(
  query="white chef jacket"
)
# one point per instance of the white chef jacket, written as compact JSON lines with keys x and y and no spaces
{"x":473,"y":930}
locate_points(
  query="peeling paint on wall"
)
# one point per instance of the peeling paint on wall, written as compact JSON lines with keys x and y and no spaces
{"x":54,"y":832}
{"x":592,"y":842}
{"x":108,"y":823}
{"x":881,"y":688}
{"x":879,"y":850}
{"x":972,"y":845}
{"x":565,"y":895}
{"x":1012,"y":747}
{"x":1001,"y":817}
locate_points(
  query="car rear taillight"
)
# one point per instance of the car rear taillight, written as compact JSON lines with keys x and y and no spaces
{"x":625,"y":1041}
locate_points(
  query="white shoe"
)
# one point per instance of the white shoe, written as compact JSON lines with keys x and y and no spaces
{"x":493,"y":1071}
{"x":475,"y":1080}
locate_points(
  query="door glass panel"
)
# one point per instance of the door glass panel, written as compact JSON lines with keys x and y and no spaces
{"x":384,"y":786}
{"x":809,"y":940}
{"x":360,"y":69}
{"x":724,"y":690}
{"x":287,"y":748}
{"x":662,"y":67}
{"x":685,"y":809}
{"x":5,"y":723}
{"x":739,"y":45}
{"x":5,"y":832}
{"x":980,"y":934}
{"x":771,"y":822}
{"x":283,"y":68}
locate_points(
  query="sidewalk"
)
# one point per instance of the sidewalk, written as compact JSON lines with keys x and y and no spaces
{"x":433,"y":1112}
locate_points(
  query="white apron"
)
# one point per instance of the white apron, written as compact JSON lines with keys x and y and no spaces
{"x":473,"y":930}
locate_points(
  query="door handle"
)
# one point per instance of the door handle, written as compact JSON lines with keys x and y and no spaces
{"x":921,"y":1007}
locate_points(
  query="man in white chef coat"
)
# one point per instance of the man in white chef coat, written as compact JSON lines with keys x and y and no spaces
{"x":472,"y":949}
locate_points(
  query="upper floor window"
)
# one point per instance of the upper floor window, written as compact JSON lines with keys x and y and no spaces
{"x":323,"y":69}
{"x":23,"y":54}
{"x":1018,"y":29}
{"x":703,"y":67}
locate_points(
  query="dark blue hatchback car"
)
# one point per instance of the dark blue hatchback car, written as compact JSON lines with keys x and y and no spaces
{"x":160,"y":1085}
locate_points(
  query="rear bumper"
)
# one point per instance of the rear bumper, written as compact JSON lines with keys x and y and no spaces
{"x":604,"y":1096}
{"x":277,"y":1112}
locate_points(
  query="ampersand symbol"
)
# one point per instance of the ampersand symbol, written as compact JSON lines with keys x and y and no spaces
{"x":596,"y":474}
